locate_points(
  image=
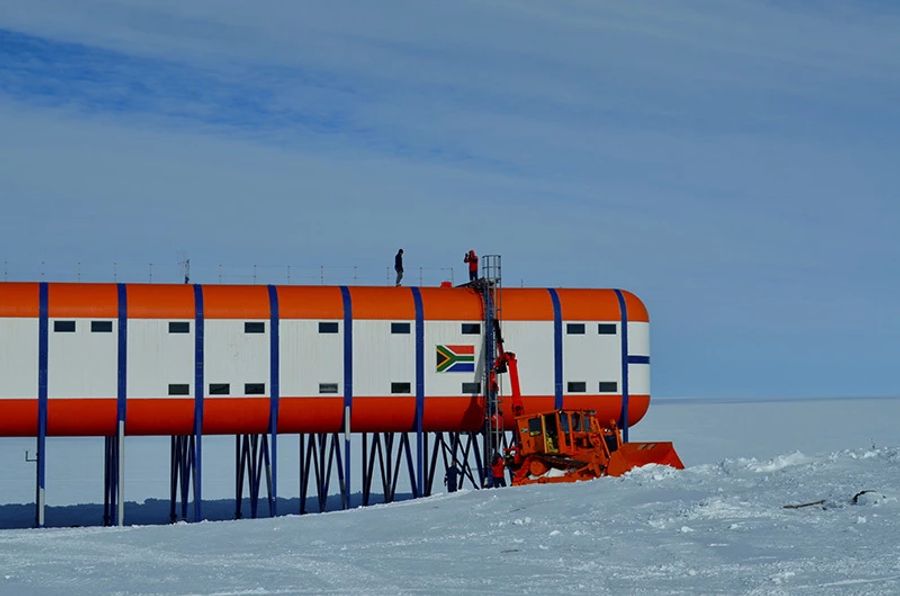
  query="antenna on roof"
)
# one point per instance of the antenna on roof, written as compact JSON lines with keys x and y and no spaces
{"x":185,"y":264}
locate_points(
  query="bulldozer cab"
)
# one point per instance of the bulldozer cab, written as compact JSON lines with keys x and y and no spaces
{"x":560,"y":431}
{"x":541,"y":433}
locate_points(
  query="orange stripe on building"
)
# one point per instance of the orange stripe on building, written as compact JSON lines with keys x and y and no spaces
{"x":235,"y":302}
{"x":310,"y":302}
{"x":19,"y":299}
{"x":158,"y":301}
{"x":310,"y":414}
{"x":82,"y":417}
{"x":451,"y":304}
{"x":77,"y":300}
{"x":19,"y":418}
{"x":588,"y":305}
{"x":159,"y":416}
{"x":636,"y":309}
{"x":383,"y":414}
{"x":235,"y":415}
{"x":526,"y":304}
{"x":372,"y":302}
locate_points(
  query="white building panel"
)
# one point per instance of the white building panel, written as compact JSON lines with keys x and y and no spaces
{"x":158,"y":358}
{"x":309,"y":358}
{"x":233,"y":356}
{"x":381,"y":357}
{"x":639,"y":339}
{"x":639,"y":345}
{"x":639,"y":379}
{"x":591,"y":357}
{"x":449,"y":333}
{"x":18,"y":357}
{"x":82,"y":363}
{"x":532,"y":343}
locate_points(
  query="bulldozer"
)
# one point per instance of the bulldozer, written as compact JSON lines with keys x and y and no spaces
{"x":572,"y":445}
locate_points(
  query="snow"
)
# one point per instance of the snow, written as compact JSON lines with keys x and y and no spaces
{"x":719,"y":526}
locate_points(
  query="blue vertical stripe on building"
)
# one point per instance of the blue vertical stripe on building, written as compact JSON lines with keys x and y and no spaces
{"x":43,"y":360}
{"x":274,"y":387}
{"x":348,"y":376}
{"x":557,"y":350}
{"x":198,"y":399}
{"x":420,"y":390}
{"x":623,"y":416}
{"x":122,"y":387}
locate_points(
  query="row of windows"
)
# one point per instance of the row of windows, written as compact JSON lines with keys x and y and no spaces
{"x":324,"y":327}
{"x":218,"y":389}
{"x":473,"y":388}
{"x":253,"y":327}
{"x":581,"y":387}
{"x":581,"y":328}
{"x":69,"y":326}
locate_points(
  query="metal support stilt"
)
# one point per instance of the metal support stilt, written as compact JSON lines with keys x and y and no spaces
{"x":322,"y":454}
{"x":252,"y":455}
{"x":180,"y":476}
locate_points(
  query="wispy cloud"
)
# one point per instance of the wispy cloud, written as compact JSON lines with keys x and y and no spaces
{"x":733,"y":162}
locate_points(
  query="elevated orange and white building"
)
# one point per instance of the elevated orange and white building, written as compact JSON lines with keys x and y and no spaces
{"x":165,"y":354}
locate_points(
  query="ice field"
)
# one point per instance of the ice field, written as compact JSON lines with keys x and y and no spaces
{"x":719,"y":526}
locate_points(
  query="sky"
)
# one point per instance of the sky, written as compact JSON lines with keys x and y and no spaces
{"x":733,"y":163}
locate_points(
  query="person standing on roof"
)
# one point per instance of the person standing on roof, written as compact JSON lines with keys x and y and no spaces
{"x":472,"y":260}
{"x":398,"y":266}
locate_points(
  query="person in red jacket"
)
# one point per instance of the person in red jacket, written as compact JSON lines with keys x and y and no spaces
{"x":472,"y":259}
{"x":498,"y":471}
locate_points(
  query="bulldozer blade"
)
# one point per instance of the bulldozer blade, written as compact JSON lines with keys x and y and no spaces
{"x":635,"y":455}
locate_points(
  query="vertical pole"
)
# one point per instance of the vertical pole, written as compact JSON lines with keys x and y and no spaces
{"x":623,"y":417}
{"x":43,"y":351}
{"x":122,"y":390}
{"x":557,"y":350}
{"x":275,"y":392}
{"x":198,"y":400}
{"x":420,"y":392}
{"x":348,"y":383}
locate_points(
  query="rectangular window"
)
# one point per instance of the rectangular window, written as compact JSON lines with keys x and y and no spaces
{"x":219,"y":389}
{"x":254,"y":388}
{"x":577,"y":387}
{"x":400,"y":388}
{"x":608,"y":386}
{"x":64,"y":326}
{"x":179,"y":389}
{"x":101,"y":326}
{"x":575,"y":328}
{"x":534,"y":426}
{"x":400,"y":328}
{"x":254,"y":327}
{"x":179,"y":327}
{"x":328,"y":327}
{"x":471,"y":328}
{"x":328,"y":387}
{"x":473,"y":388}
{"x":606,"y":328}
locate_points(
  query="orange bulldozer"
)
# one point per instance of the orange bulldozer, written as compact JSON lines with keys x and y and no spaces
{"x":572,"y":445}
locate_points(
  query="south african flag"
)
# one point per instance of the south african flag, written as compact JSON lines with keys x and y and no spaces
{"x":456,"y":358}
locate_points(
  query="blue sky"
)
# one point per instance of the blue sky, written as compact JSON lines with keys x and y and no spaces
{"x":733,"y":163}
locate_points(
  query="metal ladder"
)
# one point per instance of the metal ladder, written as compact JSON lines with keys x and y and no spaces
{"x":490,"y":284}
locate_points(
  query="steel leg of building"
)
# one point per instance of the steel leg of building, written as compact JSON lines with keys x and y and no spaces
{"x":320,"y":453}
{"x":389,"y":464}
{"x":252,"y":456}
{"x":110,"y":480}
{"x":456,"y":449}
{"x":181,"y":473}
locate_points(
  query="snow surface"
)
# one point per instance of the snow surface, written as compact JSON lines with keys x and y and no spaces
{"x":719,"y":526}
